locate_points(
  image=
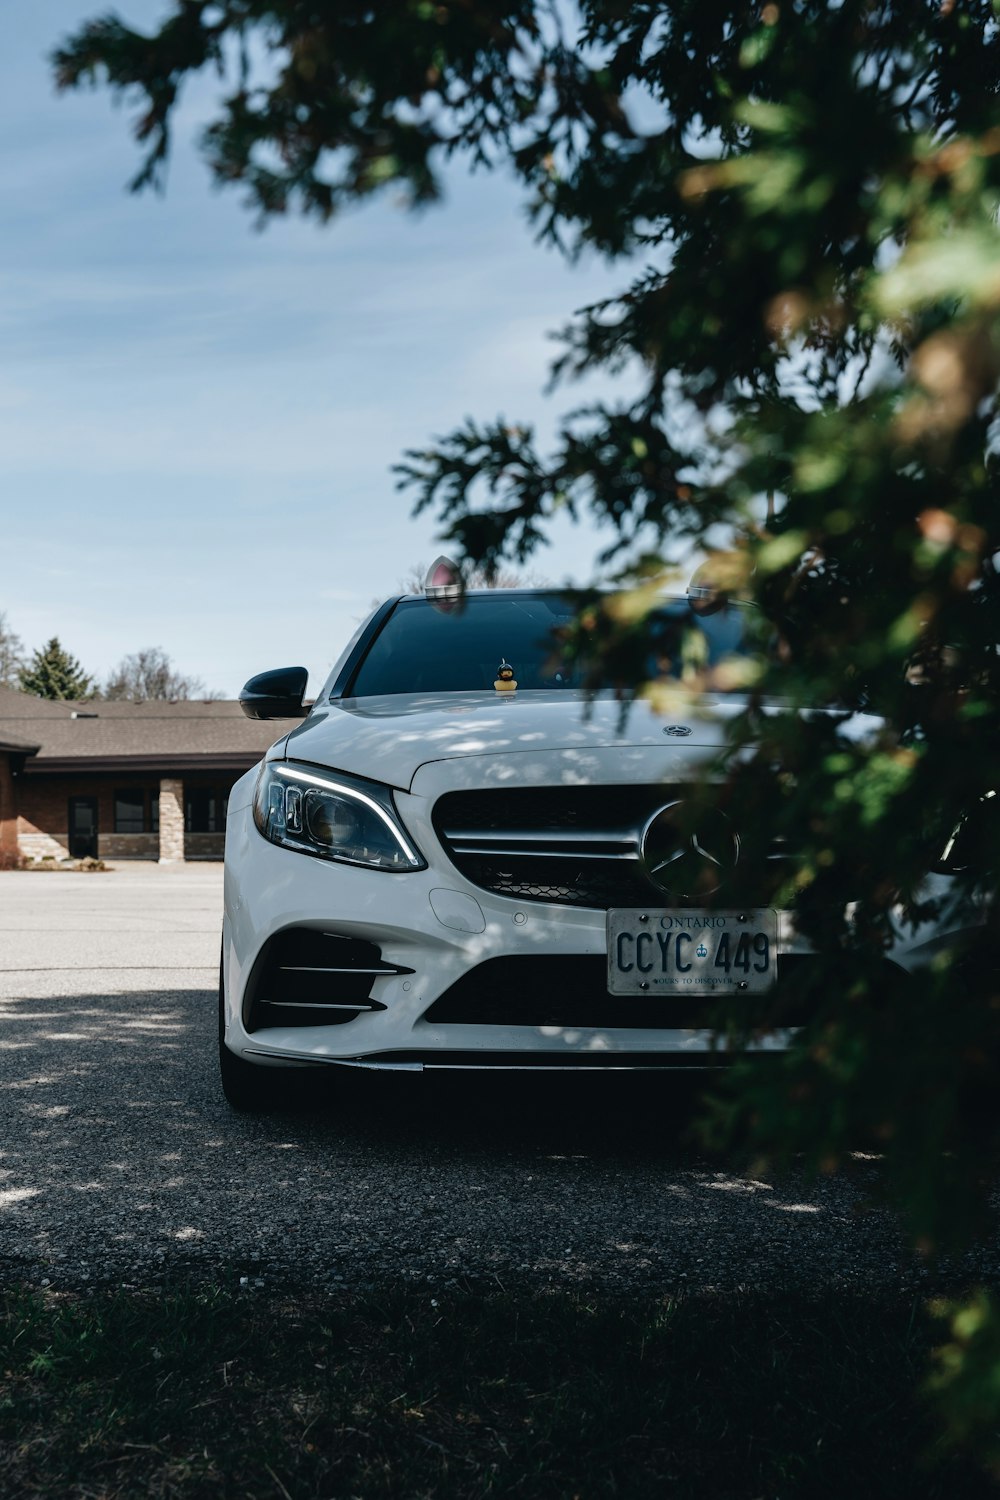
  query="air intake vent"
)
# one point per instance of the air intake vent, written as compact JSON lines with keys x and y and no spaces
{"x":571,"y":991}
{"x":305,"y":977}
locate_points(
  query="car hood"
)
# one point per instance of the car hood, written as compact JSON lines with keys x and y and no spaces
{"x":388,"y":739}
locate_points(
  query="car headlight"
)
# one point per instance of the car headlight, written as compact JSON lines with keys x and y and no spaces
{"x":973,"y":844}
{"x":332,"y":817}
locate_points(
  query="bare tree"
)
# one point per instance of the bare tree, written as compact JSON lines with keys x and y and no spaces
{"x":11,"y":653}
{"x":150,"y":673}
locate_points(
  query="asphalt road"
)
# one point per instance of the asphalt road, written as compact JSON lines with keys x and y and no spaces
{"x":120,"y":1161}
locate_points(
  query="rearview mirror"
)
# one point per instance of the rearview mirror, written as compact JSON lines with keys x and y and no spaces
{"x":275,"y":695}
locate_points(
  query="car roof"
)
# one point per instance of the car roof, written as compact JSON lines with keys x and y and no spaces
{"x":542,"y":589}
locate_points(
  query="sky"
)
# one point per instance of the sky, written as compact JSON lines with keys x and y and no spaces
{"x":198,"y":419}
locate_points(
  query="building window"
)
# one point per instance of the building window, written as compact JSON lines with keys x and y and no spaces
{"x":154,"y":812}
{"x":205,"y":809}
{"x":130,"y":810}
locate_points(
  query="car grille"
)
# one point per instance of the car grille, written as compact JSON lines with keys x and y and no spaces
{"x":571,"y":991}
{"x":569,"y":846}
{"x":305,"y":977}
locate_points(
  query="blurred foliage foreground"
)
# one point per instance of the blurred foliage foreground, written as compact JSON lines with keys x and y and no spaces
{"x":802,"y":197}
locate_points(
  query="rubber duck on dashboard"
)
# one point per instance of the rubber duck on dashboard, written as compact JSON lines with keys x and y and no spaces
{"x":505,"y":682}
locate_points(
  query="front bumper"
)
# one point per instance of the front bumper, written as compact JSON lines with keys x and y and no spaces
{"x":431,"y":930}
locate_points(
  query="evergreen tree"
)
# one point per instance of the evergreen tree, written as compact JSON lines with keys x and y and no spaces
{"x":53,"y":673}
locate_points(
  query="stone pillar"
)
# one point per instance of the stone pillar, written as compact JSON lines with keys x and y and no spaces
{"x":171,"y":822}
{"x":8,"y":816}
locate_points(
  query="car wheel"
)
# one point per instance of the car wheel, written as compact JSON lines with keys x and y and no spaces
{"x":248,"y":1088}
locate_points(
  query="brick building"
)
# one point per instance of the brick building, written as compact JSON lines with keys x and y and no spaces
{"x":121,"y":780}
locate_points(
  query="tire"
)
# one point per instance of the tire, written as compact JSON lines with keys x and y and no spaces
{"x":247,"y":1087}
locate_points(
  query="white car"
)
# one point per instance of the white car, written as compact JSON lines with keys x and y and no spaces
{"x":460,"y":859}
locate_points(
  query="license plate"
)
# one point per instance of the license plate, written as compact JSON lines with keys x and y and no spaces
{"x":691,"y":951}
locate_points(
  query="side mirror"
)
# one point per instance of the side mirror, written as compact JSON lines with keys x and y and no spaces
{"x":275,"y":695}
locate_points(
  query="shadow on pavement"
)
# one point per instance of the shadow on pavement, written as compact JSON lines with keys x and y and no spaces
{"x":120,"y":1159}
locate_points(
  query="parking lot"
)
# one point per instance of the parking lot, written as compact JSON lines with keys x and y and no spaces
{"x":120,"y":1161}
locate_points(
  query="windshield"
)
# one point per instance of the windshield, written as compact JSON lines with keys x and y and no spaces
{"x":421,"y":649}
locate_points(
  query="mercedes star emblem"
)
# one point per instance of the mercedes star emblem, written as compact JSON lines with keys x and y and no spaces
{"x":688,"y":852}
{"x":677,"y":729}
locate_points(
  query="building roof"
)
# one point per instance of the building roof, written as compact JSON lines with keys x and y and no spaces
{"x":154,"y":735}
{"x":12,"y":746}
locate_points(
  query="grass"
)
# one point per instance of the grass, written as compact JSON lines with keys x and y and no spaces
{"x":191,"y":1393}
